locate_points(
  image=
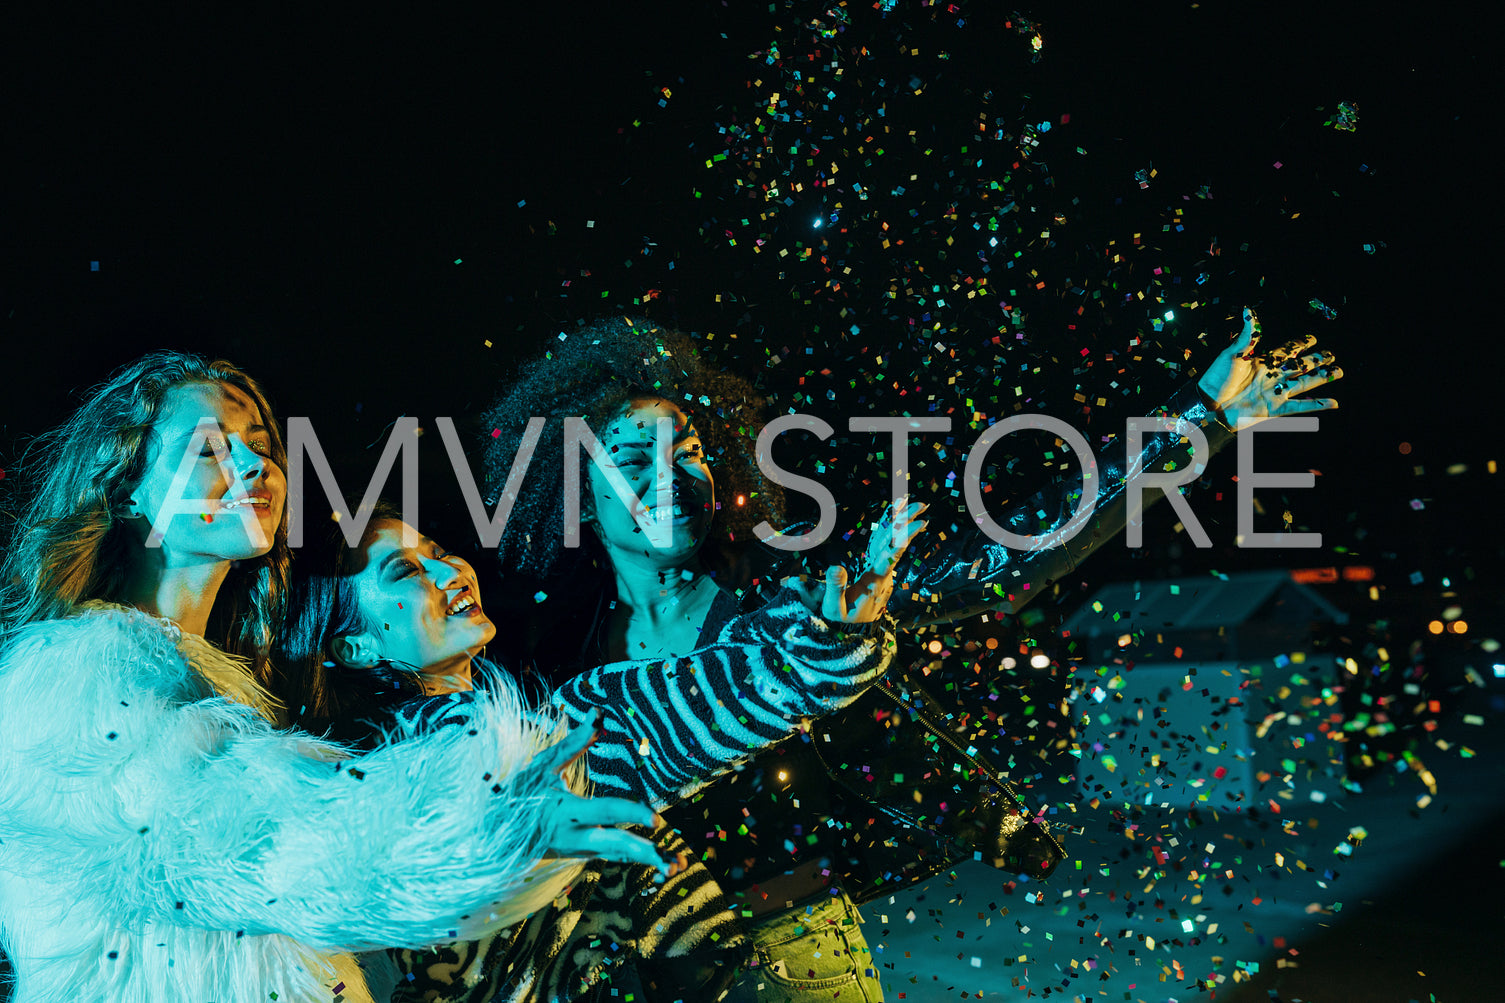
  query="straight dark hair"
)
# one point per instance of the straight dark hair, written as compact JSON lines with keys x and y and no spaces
{"x":322,"y":607}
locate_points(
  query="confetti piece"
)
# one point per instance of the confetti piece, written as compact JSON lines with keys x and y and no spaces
{"x":1346,"y":118}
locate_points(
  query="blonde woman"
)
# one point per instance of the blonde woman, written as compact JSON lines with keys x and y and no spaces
{"x":162,"y":838}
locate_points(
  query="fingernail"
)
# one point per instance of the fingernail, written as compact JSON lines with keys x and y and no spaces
{"x":658,"y":820}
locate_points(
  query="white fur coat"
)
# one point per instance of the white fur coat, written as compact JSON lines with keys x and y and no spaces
{"x":161,"y":841}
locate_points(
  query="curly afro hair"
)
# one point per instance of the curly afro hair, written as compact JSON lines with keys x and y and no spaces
{"x":593,"y":372}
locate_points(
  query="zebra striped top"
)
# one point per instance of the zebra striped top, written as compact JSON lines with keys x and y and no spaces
{"x":670,"y":726}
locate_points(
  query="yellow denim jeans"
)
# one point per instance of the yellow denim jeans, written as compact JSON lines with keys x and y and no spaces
{"x":809,"y":953}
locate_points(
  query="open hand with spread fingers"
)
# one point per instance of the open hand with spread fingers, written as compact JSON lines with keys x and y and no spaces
{"x":586,"y":827}
{"x":1249,"y":385}
{"x":864,"y":600}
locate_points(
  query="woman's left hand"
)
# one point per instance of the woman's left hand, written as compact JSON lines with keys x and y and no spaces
{"x":863,"y":601}
{"x":1248,"y":386}
{"x":586,"y":827}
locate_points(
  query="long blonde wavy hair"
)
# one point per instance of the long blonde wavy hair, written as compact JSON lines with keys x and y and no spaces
{"x":68,"y":544}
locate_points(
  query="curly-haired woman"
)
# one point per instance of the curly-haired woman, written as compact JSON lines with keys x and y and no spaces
{"x":772,"y":834}
{"x":163,"y":835}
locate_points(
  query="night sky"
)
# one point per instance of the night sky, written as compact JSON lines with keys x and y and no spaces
{"x":353,"y":205}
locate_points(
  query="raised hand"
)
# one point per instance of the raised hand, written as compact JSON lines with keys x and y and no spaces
{"x":863,"y":601}
{"x":578,"y":826}
{"x":1249,"y":386}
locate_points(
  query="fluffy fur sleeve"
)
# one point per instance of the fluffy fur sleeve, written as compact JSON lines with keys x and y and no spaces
{"x":122,"y":774}
{"x":671,"y":726}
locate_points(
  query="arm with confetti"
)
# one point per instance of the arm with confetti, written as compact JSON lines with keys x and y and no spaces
{"x":190,"y":812}
{"x":671,"y":726}
{"x":968,"y":572}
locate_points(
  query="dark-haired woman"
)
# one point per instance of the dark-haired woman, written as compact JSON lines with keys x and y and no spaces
{"x":387,"y":636}
{"x":772,"y":833}
{"x":163,"y":836}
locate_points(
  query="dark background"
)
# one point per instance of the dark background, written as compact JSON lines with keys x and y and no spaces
{"x":291,"y":190}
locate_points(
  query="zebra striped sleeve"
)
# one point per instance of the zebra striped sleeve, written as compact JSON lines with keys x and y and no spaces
{"x":673,"y":725}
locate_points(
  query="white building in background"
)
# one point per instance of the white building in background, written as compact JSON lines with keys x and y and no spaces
{"x":1206,"y":693}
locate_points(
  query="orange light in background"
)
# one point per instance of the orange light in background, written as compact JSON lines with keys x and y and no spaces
{"x":1460,"y":626}
{"x":1435,"y":626}
{"x":1321,"y":576}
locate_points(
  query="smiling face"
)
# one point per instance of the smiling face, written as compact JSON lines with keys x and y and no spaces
{"x":219,"y":474}
{"x":421,"y":602}
{"x":630,"y":446}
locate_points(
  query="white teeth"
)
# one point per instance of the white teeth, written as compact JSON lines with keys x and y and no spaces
{"x":238,"y":502}
{"x":676,"y":511}
{"x":460,"y":605}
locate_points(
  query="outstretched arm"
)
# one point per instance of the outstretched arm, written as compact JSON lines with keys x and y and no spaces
{"x":198,"y":812}
{"x":671,"y":726}
{"x":966,"y":572}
